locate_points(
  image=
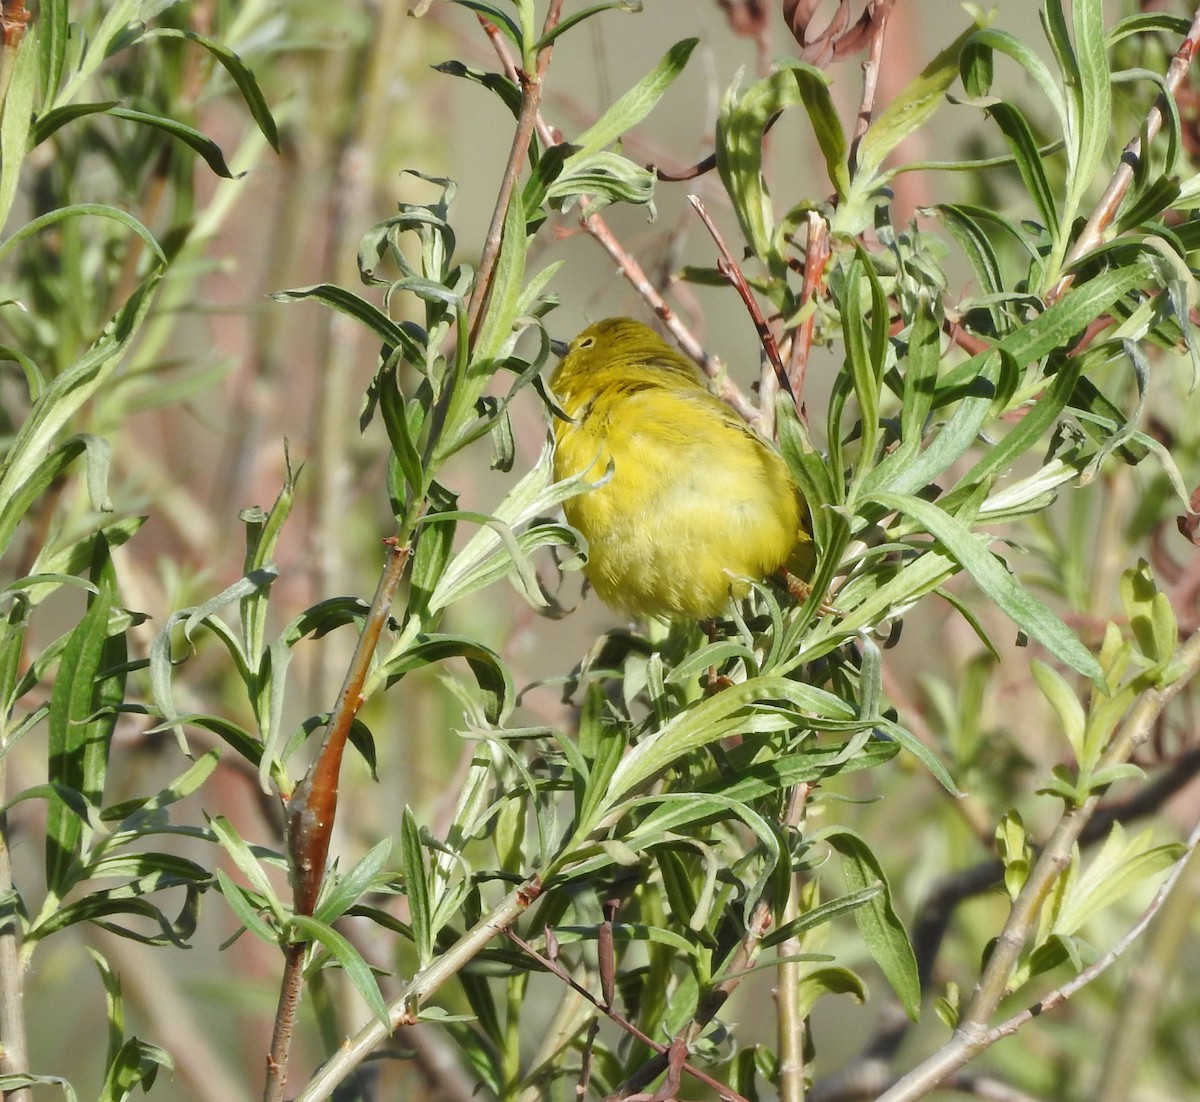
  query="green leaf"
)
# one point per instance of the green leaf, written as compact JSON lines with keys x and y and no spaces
{"x":1028,"y":159}
{"x":740,"y":127}
{"x":394,"y":334}
{"x":238,"y":72}
{"x":498,"y":17}
{"x":18,"y":114}
{"x":496,"y":83}
{"x":249,"y":864}
{"x":827,"y":981}
{"x":1122,"y":865}
{"x":496,"y":329}
{"x":909,"y":111}
{"x":579,"y":16}
{"x":827,"y":127}
{"x":1065,"y":702}
{"x":1022,"y":607}
{"x":53,"y":36}
{"x":1035,"y":68}
{"x":1089,"y":85}
{"x":634,"y":105}
{"x":79,"y":210}
{"x":83,"y":700}
{"x":491,"y":674}
{"x":357,"y":970}
{"x":189,"y":135}
{"x":246,"y":910}
{"x":826,"y":912}
{"x":416,"y":886}
{"x":881,"y":929}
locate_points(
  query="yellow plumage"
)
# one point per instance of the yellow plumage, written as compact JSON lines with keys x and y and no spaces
{"x":696,"y":501}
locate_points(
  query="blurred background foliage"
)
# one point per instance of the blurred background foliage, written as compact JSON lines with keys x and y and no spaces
{"x":182,"y":447}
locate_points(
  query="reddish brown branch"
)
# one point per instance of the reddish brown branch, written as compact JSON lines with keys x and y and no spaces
{"x":311,"y":812}
{"x":665,"y":1051}
{"x":729,"y":267}
{"x":1110,"y":201}
{"x":877,"y":31}
{"x":816,"y":260}
{"x":629,"y":267}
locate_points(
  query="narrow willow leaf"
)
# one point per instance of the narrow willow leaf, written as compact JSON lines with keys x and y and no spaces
{"x":920,"y":375}
{"x":349,"y":959}
{"x":910,"y":110}
{"x":739,"y":139}
{"x":827,"y":981}
{"x":901,"y":472}
{"x":394,"y":334}
{"x":189,"y":135}
{"x":416,"y":886}
{"x":81,"y":210}
{"x":1066,"y":705}
{"x":53,"y":35}
{"x":240,"y":75}
{"x":83,"y":714}
{"x":1031,"y":428}
{"x":1122,"y":865}
{"x":1090,"y":89}
{"x":826,"y":912}
{"x":1021,"y":606}
{"x":18,"y":114}
{"x":1035,"y":68}
{"x":491,"y":675}
{"x":1028,"y":159}
{"x":245,"y":909}
{"x":504,"y":295}
{"x":498,"y":17}
{"x":247,"y":861}
{"x":635,"y":104}
{"x":578,"y":17}
{"x":827,"y":127}
{"x":881,"y":929}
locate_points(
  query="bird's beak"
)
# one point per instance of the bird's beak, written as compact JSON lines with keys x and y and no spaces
{"x":559,"y":348}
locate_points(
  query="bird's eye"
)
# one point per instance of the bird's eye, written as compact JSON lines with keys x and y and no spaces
{"x":587,"y":342}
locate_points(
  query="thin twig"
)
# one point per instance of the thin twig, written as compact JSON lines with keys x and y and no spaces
{"x":14,"y":1056}
{"x":790,"y":1025}
{"x":531,"y":92}
{"x":606,"y":1008}
{"x":1118,"y":185}
{"x":972,"y":1035}
{"x":629,"y":267}
{"x":1060,"y":994}
{"x":816,"y":259}
{"x":404,"y":1010}
{"x":866,"y":108}
{"x":729,"y":267}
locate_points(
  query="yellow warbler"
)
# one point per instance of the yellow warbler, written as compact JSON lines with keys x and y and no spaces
{"x":695,"y":503}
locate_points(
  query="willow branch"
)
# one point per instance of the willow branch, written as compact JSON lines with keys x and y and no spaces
{"x":629,"y":267}
{"x":972,"y":1035}
{"x":311,"y":812}
{"x":531,"y":94}
{"x":403,"y":1011}
{"x":1110,"y":201}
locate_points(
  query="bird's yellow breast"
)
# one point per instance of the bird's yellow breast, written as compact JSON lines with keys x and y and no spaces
{"x":694,"y":503}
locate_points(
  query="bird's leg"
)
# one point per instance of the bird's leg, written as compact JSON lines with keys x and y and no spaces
{"x":800,"y":590}
{"x":714,"y":682}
